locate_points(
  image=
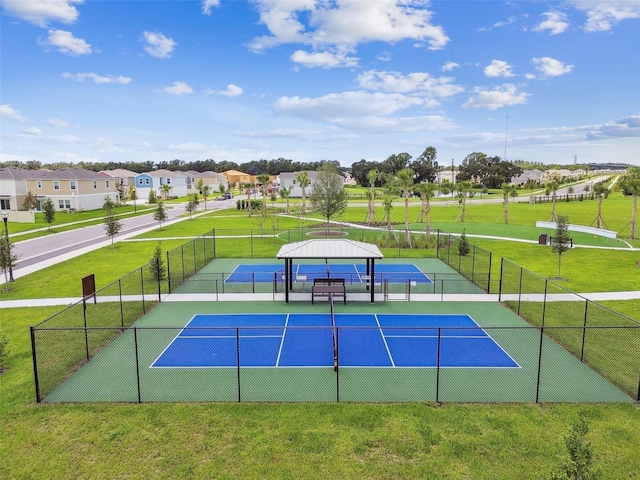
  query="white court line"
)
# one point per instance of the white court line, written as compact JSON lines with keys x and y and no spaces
{"x":384,"y":339}
{"x":284,"y":332}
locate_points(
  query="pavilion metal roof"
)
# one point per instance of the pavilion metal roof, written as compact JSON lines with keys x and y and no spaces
{"x":334,"y":248}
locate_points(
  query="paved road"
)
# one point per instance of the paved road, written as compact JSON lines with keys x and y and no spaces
{"x":38,"y":253}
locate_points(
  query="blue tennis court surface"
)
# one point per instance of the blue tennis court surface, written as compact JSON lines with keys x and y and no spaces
{"x":352,"y":273}
{"x":306,"y":340}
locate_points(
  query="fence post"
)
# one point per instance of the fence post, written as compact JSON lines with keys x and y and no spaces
{"x":539,"y":364}
{"x":489,"y":273}
{"x":438,"y":367}
{"x":438,"y":244}
{"x":182,"y":261}
{"x":35,"y":362}
{"x":159,"y":275}
{"x":213,"y":237}
{"x":135,"y":342}
{"x":473,"y":266}
{"x":238,"y":359}
{"x":144,"y":310}
{"x":520,"y":290}
{"x":337,"y":369}
{"x":168,"y":272}
{"x":584,"y":329}
{"x":500,"y":283}
{"x":251,"y":241}
{"x":195,"y":261}
{"x":86,"y":334}
{"x":121,"y":304}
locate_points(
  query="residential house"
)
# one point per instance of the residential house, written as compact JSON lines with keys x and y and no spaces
{"x":527,"y":176}
{"x":213,"y":179}
{"x":156,"y":181}
{"x":70,"y":189}
{"x":289,"y":179}
{"x":447,"y":175}
{"x":236,"y":178}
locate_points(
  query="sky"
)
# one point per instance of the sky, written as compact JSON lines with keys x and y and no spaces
{"x":310,"y":80}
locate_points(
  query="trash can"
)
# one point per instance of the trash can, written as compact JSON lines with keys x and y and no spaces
{"x":542,"y":240}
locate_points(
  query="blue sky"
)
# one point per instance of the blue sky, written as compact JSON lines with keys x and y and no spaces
{"x":309,"y":80}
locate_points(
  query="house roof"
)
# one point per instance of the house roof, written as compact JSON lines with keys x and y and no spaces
{"x":320,"y":248}
{"x":119,"y":172}
{"x":165,"y":174}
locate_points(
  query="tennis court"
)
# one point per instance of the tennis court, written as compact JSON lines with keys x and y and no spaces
{"x":318,"y":340}
{"x":306,"y":272}
{"x":387,"y":352}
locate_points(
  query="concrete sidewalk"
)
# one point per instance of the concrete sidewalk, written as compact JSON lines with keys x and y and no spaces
{"x":304,"y":297}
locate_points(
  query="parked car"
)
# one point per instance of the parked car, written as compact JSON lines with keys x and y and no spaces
{"x":225,"y":196}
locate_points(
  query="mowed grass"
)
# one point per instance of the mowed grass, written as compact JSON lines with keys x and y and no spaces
{"x":521,"y":441}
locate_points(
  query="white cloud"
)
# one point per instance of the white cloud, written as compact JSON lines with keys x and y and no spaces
{"x":448,"y":66}
{"x":502,"y":96}
{"x":498,"y":68}
{"x":336,"y":106}
{"x":66,"y":43}
{"x":623,"y":128}
{"x":232,"y":91}
{"x":158,"y":45}
{"x":178,"y":88}
{"x":555,"y":23}
{"x":602,"y":15}
{"x":346,"y":23}
{"x":550,"y":67}
{"x":41,"y":12}
{"x":208,"y":5}
{"x":81,"y":77}
{"x":33,"y":131}
{"x":11,"y":113}
{"x":416,"y":82}
{"x":324,"y":59}
{"x":58,"y":123}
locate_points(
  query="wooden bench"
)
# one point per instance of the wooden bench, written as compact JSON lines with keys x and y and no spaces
{"x":328,"y":287}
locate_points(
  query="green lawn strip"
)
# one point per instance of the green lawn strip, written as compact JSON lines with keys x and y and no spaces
{"x":311,"y":440}
{"x":582,"y":270}
{"x":69,"y":221}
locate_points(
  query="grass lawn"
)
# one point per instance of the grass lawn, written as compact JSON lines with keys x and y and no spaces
{"x":379,"y":441}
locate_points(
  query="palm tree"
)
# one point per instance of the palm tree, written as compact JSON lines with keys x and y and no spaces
{"x":601,"y":192}
{"x":303,"y":180}
{"x":166,"y":188}
{"x":265,"y":182}
{"x":285,"y":193}
{"x":427,"y":191}
{"x":508,"y":190}
{"x":405,"y":182}
{"x":387,"y":205}
{"x":372,"y":176}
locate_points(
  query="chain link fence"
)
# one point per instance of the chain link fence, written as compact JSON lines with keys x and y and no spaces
{"x":562,"y":326}
{"x":150,"y":364}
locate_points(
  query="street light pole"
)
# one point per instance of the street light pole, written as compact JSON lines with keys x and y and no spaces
{"x":5,"y":217}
